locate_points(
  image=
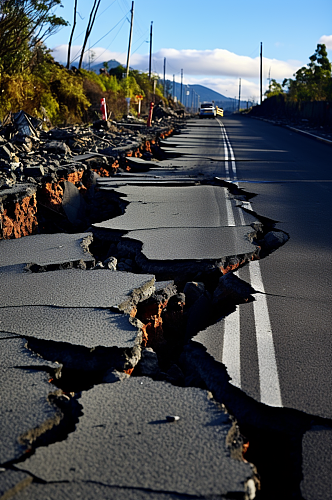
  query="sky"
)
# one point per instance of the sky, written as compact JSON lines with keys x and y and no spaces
{"x":215,"y":42}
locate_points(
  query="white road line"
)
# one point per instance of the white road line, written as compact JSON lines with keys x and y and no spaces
{"x":268,"y":372}
{"x":231,"y":355}
{"x":229,"y":210}
{"x":231,"y":347}
{"x":225,"y":152}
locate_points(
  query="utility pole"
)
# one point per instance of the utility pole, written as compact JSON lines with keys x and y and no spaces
{"x":130,"y":37}
{"x":164,"y":76}
{"x":150,"y":58}
{"x":173,"y":86}
{"x":261,"y":74}
{"x":181,"y":93}
{"x":239,"y":94}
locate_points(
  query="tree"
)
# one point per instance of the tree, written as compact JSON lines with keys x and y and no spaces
{"x":25,"y":24}
{"x":71,"y":35}
{"x":312,"y":82}
{"x":118,"y":71}
{"x":275,"y":88}
{"x":91,"y":22}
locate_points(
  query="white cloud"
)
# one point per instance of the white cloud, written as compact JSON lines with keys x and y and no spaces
{"x":327,"y":39}
{"x":217,"y":62}
{"x":98,"y":54}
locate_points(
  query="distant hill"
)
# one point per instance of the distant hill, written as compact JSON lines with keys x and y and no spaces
{"x":112,"y":63}
{"x":191,"y":93}
{"x":206,"y":94}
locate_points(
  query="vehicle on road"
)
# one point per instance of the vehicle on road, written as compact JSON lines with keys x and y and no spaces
{"x":219,"y":111}
{"x":207,"y":110}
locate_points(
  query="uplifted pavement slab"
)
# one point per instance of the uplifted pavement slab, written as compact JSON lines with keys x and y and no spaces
{"x":125,"y":440}
{"x":72,"y":309}
{"x":46,"y":249}
{"x":194,"y":243}
{"x":86,"y":327}
{"x":24,"y":390}
{"x":98,"y":288}
{"x":185,"y":207}
{"x":183,"y":223}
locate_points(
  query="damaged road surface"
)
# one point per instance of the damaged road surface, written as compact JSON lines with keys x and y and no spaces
{"x":147,"y":355}
{"x":277,"y":349}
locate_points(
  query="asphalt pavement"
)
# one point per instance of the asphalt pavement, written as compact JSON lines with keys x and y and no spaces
{"x":277,"y":349}
{"x":261,"y":337}
{"x":102,"y":435}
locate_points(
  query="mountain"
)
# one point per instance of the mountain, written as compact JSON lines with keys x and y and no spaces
{"x":112,"y":63}
{"x":192,"y":94}
{"x":206,"y":94}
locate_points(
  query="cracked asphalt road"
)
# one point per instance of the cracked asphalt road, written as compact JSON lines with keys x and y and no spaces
{"x":184,"y":218}
{"x":81,"y":322}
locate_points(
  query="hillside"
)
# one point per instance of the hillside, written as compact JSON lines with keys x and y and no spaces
{"x":190,"y":93}
{"x":206,"y":94}
{"x":112,"y":63}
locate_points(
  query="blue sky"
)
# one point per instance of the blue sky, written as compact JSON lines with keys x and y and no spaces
{"x":215,"y":42}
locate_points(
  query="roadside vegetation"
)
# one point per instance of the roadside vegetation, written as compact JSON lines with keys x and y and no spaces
{"x":31,"y":80}
{"x":311,"y":83}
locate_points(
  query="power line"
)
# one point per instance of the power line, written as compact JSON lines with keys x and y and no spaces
{"x":76,"y":37}
{"x":144,"y":41}
{"x":106,"y":9}
{"x":144,"y":35}
{"x":123,"y":19}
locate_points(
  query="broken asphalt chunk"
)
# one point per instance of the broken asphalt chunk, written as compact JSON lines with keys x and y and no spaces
{"x":121,"y":440}
{"x":86,"y":327}
{"x":46,"y":250}
{"x":76,"y":288}
{"x":25,"y":410}
{"x":231,"y":287}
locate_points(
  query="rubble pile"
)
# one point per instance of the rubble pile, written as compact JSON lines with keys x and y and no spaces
{"x":51,"y":175}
